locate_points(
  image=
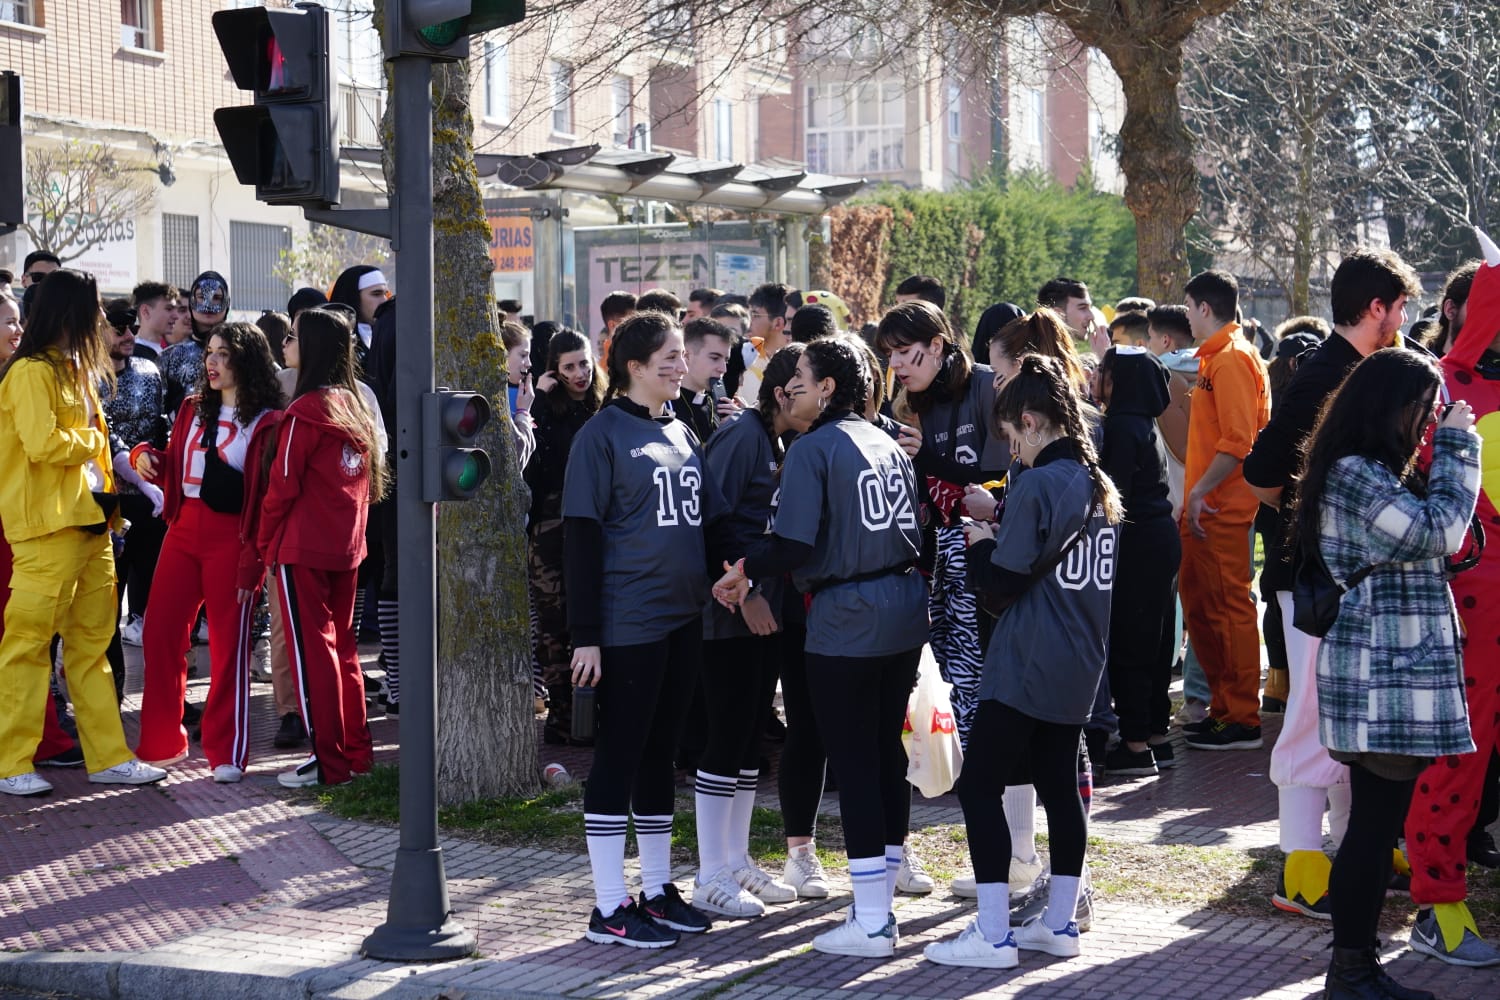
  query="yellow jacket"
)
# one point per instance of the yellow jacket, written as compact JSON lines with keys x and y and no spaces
{"x":45,"y":442}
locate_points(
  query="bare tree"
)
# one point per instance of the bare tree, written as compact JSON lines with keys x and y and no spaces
{"x":318,"y":257}
{"x":79,"y":194}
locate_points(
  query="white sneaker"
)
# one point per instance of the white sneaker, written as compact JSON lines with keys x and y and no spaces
{"x":130,"y":632}
{"x":1024,"y":873}
{"x":228,"y":774}
{"x":29,"y":783}
{"x":971,"y":949}
{"x":849,"y":938}
{"x":304,"y":775}
{"x":965,"y":887}
{"x":260,"y":661}
{"x":132,"y":772}
{"x":912,"y":877}
{"x":756,"y":880}
{"x":726,"y":897}
{"x":1034,"y":935}
{"x":804,"y":873}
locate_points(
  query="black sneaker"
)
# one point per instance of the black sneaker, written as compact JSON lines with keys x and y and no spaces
{"x":72,"y":757}
{"x":1199,"y":727}
{"x":292,"y":733}
{"x":1318,"y":910}
{"x":1126,"y":762}
{"x":671,"y":910}
{"x":630,"y":927}
{"x":1482,"y":850}
{"x":191,"y":714}
{"x":1226,"y":736}
{"x":1164,"y":754}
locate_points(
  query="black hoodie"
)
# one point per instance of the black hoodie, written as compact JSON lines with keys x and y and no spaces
{"x":1132,"y":452}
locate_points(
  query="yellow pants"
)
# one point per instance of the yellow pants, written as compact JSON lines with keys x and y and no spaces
{"x":63,"y":583}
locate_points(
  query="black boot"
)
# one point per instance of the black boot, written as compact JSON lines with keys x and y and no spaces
{"x":1352,"y":975}
{"x":1391,"y":989}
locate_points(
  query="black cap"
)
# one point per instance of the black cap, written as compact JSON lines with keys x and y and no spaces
{"x":304,"y":298}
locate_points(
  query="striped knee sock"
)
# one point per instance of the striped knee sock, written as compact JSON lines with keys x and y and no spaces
{"x":713,"y":801}
{"x":653,"y":838}
{"x":894,"y":855}
{"x":606,"y":840}
{"x":390,"y":648}
{"x":872,"y":901}
{"x":739,"y":819}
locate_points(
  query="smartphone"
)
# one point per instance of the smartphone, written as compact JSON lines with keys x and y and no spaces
{"x":716,"y":391}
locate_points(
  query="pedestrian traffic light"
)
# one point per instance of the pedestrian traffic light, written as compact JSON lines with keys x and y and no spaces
{"x":286,"y":143}
{"x":440,"y":29}
{"x":452,"y":467}
{"x":12,"y":153}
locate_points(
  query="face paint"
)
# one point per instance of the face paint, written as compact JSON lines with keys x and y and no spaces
{"x":209,"y":296}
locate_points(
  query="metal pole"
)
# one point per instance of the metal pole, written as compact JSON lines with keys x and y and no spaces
{"x":418,"y":924}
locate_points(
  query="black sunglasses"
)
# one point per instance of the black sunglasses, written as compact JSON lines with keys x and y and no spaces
{"x":36,"y":276}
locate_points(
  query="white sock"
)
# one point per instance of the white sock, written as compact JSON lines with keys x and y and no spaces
{"x":994,"y":911}
{"x":1339,"y":798}
{"x":894,"y":853}
{"x":739,"y":819}
{"x":1020,"y":816}
{"x":606,"y":840}
{"x":653,"y":838}
{"x":872,"y":901}
{"x":713,"y":799}
{"x":1062,"y":901}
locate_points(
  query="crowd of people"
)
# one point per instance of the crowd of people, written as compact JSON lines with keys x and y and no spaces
{"x":737,"y":496}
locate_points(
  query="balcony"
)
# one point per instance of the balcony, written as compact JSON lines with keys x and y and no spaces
{"x":360,"y":111}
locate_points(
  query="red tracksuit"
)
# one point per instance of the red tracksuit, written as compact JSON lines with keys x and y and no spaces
{"x":312,"y":529}
{"x":205,"y":558}
{"x":55,"y":738}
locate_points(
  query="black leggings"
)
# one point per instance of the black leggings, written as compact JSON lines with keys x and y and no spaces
{"x":860,"y":702}
{"x":739,"y":679}
{"x":799,"y":779}
{"x":1142,"y":627}
{"x":643,"y":693}
{"x":1362,"y":867}
{"x":1001,"y":736}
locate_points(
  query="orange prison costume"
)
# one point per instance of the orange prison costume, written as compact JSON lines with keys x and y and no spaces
{"x":206,"y":556}
{"x":1230,"y":404}
{"x":55,"y":452}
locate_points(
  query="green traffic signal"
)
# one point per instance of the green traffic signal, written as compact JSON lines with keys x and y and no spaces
{"x":453,"y":468}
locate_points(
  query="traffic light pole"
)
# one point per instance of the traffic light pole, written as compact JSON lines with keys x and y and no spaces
{"x":419,"y":924}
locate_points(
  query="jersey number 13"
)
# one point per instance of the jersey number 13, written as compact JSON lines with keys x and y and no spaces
{"x":677,"y":496}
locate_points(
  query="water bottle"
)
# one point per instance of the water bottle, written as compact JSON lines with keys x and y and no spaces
{"x":583,"y":712}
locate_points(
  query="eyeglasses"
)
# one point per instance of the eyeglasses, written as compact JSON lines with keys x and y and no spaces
{"x":289,"y":338}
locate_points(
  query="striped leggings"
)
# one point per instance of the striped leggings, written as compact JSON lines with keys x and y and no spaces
{"x":954,"y":632}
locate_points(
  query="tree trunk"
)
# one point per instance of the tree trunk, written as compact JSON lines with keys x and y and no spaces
{"x":1156,"y":157}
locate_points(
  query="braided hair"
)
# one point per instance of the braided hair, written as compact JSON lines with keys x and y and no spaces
{"x":1043,"y":386}
{"x":840,"y":360}
{"x":780,"y":370}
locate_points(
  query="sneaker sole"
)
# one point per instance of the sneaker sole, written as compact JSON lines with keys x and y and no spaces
{"x":972,"y":963}
{"x":812,"y":892}
{"x":29,"y":795}
{"x":722,"y":911}
{"x":58,"y":763}
{"x":1292,"y":906}
{"x":299,"y":783}
{"x":679,"y":928}
{"x":916,"y":890}
{"x":1051,"y":949}
{"x":600,"y":937}
{"x":96,"y":780}
{"x":1131,"y":772}
{"x":1236,"y":745}
{"x":965,"y":893}
{"x":857,"y":952}
{"x":774,"y":898}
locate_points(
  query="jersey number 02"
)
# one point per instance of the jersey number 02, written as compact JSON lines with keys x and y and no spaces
{"x":677,"y":502}
{"x":884,"y":500}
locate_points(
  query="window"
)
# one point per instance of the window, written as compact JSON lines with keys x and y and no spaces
{"x":496,"y":81}
{"x":255,"y":251}
{"x":138,"y":24}
{"x":723,"y":129}
{"x":562,"y":98}
{"x":619,"y":110}
{"x":955,"y":110}
{"x":179,"y":249}
{"x":18,"y":11}
{"x":856,"y":128}
{"x":1037,"y":102}
{"x":670,"y":21}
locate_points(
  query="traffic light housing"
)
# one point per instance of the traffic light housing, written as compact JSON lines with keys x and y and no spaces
{"x":12,"y":153}
{"x":452,"y":467}
{"x":440,"y":29}
{"x":286,"y":143}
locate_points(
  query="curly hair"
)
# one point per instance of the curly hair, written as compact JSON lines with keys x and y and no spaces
{"x":920,"y":322}
{"x":837,"y":358}
{"x":256,"y":388}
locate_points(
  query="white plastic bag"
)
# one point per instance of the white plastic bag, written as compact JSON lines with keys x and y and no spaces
{"x":932,"y":749}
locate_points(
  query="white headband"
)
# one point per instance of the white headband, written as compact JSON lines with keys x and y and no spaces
{"x":370,"y":279}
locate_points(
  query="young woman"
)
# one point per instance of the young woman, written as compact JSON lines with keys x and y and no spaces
{"x":1142,"y":621}
{"x":327,"y":469}
{"x":10,"y":325}
{"x":57,"y":505}
{"x":635,"y":503}
{"x":1054,"y":557}
{"x":741,"y":654}
{"x":1390,"y":683}
{"x":211,"y":478}
{"x":520,"y":392}
{"x":571,"y":392}
{"x":846,"y":529}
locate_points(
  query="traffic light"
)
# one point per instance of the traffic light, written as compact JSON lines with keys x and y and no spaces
{"x":440,"y":29}
{"x":452,"y":467}
{"x":286,"y":143}
{"x":12,"y":152}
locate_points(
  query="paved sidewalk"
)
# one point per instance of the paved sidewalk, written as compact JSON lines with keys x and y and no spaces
{"x":191,"y":889}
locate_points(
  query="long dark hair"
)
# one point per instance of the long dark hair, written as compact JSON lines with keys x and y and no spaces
{"x":566,"y":341}
{"x":256,"y":388}
{"x":837,"y":358}
{"x":1373,"y":415}
{"x":325,"y":359}
{"x":636,"y":339}
{"x":63,"y":323}
{"x":919,"y":322}
{"x":1043,"y":332}
{"x":779,"y":371}
{"x":1044,"y":386}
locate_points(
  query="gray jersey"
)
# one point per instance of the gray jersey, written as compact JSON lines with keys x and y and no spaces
{"x":742,"y":465}
{"x":849,"y":492}
{"x":1048,"y":649}
{"x":961,"y":429}
{"x":643,"y":481}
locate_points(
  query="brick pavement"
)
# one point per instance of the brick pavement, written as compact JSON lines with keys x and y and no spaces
{"x":193,"y":889}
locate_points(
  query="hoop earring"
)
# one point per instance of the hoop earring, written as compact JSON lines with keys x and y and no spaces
{"x":1030,"y":443}
{"x":822,"y":403}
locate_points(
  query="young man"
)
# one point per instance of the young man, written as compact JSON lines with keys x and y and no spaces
{"x":768,"y":322}
{"x":38,"y":264}
{"x":1369,"y":290}
{"x":613,"y":310}
{"x":153,"y":318}
{"x":1129,"y":329}
{"x":706,"y":342}
{"x":659,"y":300}
{"x":1231,"y":403}
{"x":1069,"y":298}
{"x":509,"y":310}
{"x":924,"y":287}
{"x":701,"y":302}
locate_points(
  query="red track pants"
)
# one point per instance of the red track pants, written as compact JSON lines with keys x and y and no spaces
{"x":318,"y":608}
{"x":197,"y":568}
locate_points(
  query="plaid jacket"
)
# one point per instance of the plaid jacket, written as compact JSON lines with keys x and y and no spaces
{"x":1389,"y":673}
